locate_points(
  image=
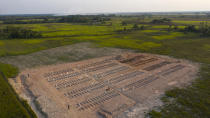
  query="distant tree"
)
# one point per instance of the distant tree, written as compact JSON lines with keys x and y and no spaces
{"x":17,"y":32}
{"x":84,"y":19}
{"x":169,"y":27}
{"x":103,"y":22}
{"x":135,"y":27}
{"x":175,"y":27}
{"x":124,"y":29}
{"x":190,"y":28}
{"x":123,"y":23}
{"x":161,"y":21}
{"x":167,"y":20}
{"x":142,"y":27}
{"x":204,"y":29}
{"x":46,"y":20}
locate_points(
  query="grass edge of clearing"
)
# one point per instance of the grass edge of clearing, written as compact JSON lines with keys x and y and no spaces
{"x":170,"y":96}
{"x":10,"y":72}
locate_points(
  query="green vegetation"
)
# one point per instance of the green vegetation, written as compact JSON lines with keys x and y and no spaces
{"x":18,"y":32}
{"x":189,"y":22}
{"x":11,"y":106}
{"x":171,"y":35}
{"x":177,"y":36}
{"x":99,"y":19}
{"x":192,"y":102}
{"x":84,"y":19}
{"x":25,"y":46}
{"x":8,"y":70}
{"x":161,"y":21}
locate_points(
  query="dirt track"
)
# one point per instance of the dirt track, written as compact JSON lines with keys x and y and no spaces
{"x":121,"y":86}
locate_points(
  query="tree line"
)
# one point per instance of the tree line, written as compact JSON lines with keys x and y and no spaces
{"x":17,"y":33}
{"x":203,"y":28}
{"x":56,"y":19}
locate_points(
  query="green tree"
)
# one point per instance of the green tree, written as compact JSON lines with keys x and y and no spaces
{"x":135,"y":27}
{"x":204,"y":29}
{"x":124,"y":23}
{"x":190,"y":28}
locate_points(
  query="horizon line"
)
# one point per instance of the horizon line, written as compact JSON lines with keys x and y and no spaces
{"x":98,"y":13}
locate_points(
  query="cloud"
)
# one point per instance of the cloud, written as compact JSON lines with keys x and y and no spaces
{"x":95,"y":6}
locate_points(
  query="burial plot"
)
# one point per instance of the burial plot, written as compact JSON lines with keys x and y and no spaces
{"x":105,"y":86}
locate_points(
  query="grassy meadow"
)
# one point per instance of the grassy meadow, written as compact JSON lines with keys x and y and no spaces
{"x":191,"y":102}
{"x":11,"y":106}
{"x":58,"y":34}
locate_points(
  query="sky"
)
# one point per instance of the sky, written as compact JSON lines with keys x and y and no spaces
{"x":99,"y":6}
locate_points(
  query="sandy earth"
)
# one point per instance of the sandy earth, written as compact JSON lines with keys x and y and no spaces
{"x":122,"y":85}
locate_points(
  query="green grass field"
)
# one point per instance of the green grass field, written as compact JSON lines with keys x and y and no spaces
{"x":11,"y":106}
{"x":185,"y":22}
{"x":191,"y":102}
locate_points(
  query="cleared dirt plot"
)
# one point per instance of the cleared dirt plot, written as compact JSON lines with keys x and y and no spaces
{"x":113,"y":86}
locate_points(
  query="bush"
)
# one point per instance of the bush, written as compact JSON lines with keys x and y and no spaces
{"x":154,"y":114}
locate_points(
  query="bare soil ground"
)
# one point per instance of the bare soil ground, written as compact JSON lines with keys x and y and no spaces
{"x":70,"y":53}
{"x":122,"y":85}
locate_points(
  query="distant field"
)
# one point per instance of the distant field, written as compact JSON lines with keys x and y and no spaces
{"x":189,"y":22}
{"x":29,"y":20}
{"x":59,"y":34}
